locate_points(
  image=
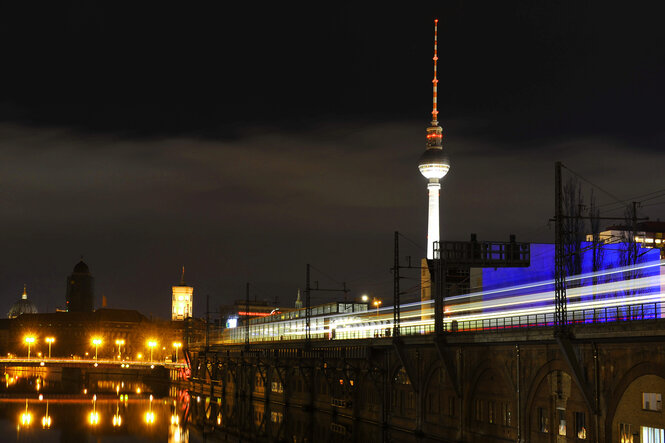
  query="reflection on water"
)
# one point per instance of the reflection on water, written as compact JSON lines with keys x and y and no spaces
{"x":43,"y":407}
{"x":34,"y":406}
{"x":83,"y":419}
{"x":101,"y":419}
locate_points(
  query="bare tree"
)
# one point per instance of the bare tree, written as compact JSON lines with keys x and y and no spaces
{"x":597,"y":245}
{"x":629,"y":250}
{"x":573,"y":226}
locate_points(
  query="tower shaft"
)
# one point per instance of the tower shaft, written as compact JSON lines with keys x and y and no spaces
{"x":433,"y":188}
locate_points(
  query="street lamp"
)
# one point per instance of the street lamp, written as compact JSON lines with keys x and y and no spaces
{"x":29,"y":340}
{"x":151,"y":345}
{"x":96,"y":341}
{"x":364,"y":298}
{"x":49,"y":340}
{"x":176,"y":345}
{"x":120,"y":342}
{"x":377,"y":303}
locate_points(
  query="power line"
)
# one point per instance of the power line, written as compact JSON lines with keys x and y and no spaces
{"x":593,"y":184}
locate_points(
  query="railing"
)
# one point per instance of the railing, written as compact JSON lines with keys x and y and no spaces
{"x":645,"y":311}
{"x":42,"y":361}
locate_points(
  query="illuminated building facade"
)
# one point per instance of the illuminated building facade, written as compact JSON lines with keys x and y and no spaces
{"x":123,"y":333}
{"x":80,"y":289}
{"x":649,"y":235}
{"x":182,"y":300}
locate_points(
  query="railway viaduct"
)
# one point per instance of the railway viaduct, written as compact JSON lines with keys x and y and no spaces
{"x":487,"y":385}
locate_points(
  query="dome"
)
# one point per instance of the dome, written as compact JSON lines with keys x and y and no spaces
{"x":81,"y":268}
{"x":22,"y":306}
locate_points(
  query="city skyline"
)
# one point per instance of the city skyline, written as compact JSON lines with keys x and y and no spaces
{"x":246,"y":158}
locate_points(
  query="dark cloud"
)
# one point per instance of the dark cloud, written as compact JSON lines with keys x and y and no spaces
{"x":232,"y":210}
{"x":245,"y":143}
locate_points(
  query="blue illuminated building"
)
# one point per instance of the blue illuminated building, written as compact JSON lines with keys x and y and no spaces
{"x":541,"y":270}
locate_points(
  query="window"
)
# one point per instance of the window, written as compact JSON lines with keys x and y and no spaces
{"x":651,"y":435}
{"x":490,"y":411}
{"x":506,"y":414}
{"x":626,"y":433}
{"x":277,"y":387}
{"x":411,"y":400}
{"x":276,"y":417}
{"x":479,"y":410}
{"x":580,"y":425}
{"x":652,"y":401}
{"x":543,"y":421}
{"x":401,"y":378}
{"x":431,"y":402}
{"x":562,"y":421}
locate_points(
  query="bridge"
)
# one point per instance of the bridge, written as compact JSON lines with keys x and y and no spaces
{"x":86,"y":363}
{"x":502,"y":367}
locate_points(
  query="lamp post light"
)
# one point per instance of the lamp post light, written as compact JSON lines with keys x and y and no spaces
{"x":176,"y":345}
{"x":120,"y":342}
{"x":96,"y":341}
{"x":364,"y":298}
{"x":29,"y":340}
{"x":50,"y":341}
{"x":151,"y":345}
{"x":377,"y":303}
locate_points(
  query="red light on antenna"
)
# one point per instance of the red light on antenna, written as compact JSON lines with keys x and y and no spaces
{"x":436,"y":20}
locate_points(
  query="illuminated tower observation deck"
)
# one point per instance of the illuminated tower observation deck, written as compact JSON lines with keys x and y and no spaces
{"x":434,"y":163}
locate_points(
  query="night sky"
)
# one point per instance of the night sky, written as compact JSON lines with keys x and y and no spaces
{"x":244,"y":143}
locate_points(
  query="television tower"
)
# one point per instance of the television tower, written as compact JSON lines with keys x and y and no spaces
{"x":434,"y":164}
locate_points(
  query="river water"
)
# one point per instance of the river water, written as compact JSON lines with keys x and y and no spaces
{"x":36,"y":407}
{"x":40,"y":405}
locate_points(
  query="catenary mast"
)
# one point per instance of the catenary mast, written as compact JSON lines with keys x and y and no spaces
{"x":434,"y":164}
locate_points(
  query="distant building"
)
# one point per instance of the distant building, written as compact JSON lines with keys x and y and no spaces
{"x":22,"y":306}
{"x":233,"y":315}
{"x":80,"y":289}
{"x":124,"y":334}
{"x":649,"y":235}
{"x":182,"y":299}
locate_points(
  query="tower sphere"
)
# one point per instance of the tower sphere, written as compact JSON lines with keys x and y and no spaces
{"x":434,"y":164}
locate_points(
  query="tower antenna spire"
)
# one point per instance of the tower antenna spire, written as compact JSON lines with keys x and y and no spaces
{"x":435,"y":111}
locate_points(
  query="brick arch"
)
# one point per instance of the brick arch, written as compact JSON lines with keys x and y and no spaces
{"x":367,"y":383}
{"x":481,"y":370}
{"x":478,"y":372}
{"x":545,"y":370}
{"x":430,"y":373}
{"x":619,"y":388}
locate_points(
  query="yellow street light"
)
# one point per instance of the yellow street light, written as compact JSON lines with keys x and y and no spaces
{"x":96,"y":341}
{"x":151,"y":344}
{"x":50,"y":341}
{"x":177,"y":345}
{"x":377,"y":303}
{"x":29,"y":341}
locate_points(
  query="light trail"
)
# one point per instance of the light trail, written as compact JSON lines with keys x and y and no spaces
{"x":475,"y":308}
